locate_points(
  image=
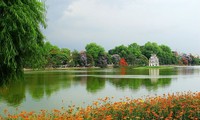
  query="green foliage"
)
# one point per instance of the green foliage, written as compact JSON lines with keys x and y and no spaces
{"x":75,"y":58}
{"x":94,"y":50}
{"x":109,"y":58}
{"x":164,"y":53}
{"x":95,"y":55}
{"x":174,"y":59}
{"x":21,"y":39}
{"x":131,"y":59}
{"x":132,"y":54}
{"x":194,"y":60}
{"x":134,"y":49}
{"x":121,"y":50}
{"x":142,"y":61}
{"x":65,"y":55}
{"x":56,"y":56}
{"x":150,"y":48}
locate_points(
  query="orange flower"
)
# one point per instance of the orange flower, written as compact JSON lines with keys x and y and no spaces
{"x":5,"y":111}
{"x":170,"y":114}
{"x":155,"y":114}
{"x":95,"y":103}
{"x":79,"y":118}
{"x":109,"y":117}
{"x":56,"y":111}
{"x":152,"y":107}
{"x":30,"y":113}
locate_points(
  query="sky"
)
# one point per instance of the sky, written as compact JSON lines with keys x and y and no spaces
{"x":75,"y":23}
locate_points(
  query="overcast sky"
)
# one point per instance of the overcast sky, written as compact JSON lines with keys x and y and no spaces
{"x":74,"y":23}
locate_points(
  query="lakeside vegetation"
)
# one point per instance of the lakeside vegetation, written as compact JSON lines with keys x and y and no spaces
{"x":95,"y":56}
{"x":166,"y":107}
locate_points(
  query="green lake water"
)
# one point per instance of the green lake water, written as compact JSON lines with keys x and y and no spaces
{"x":60,"y":88}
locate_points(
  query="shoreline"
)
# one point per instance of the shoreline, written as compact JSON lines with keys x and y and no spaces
{"x":79,"y":68}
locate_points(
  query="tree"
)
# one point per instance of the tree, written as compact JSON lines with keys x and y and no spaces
{"x":166,"y":55}
{"x":75,"y":59}
{"x":83,"y":59}
{"x":21,"y":39}
{"x":142,"y":61}
{"x":131,"y":59}
{"x":54,"y":56}
{"x":94,"y":50}
{"x":65,"y":52}
{"x":102,"y":60}
{"x":121,"y":50}
{"x":195,"y":60}
{"x":109,"y":58}
{"x":115,"y":60}
{"x":123,"y":62}
{"x":134,"y":49}
{"x":90,"y":60}
{"x":150,"y":48}
{"x":185,"y":61}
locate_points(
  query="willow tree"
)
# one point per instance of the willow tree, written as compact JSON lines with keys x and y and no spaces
{"x":21,"y":39}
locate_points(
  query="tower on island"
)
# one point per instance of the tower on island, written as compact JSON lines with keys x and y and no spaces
{"x":153,"y":60}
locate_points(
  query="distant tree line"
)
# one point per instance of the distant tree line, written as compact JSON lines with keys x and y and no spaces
{"x":131,"y":55}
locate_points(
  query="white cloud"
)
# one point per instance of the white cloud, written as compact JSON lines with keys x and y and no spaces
{"x":126,"y":21}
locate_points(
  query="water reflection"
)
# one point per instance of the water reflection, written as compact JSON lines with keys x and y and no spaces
{"x":40,"y":84}
{"x":95,"y":84}
{"x":44,"y":85}
{"x":136,"y":84}
{"x":124,"y":83}
{"x":13,"y":94}
{"x":154,"y":73}
{"x":122,"y":70}
{"x":188,"y":70}
{"x":37,"y":85}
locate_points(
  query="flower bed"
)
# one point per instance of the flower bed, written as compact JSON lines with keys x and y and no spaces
{"x":166,"y":107}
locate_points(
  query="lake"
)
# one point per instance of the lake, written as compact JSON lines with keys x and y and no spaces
{"x":61,"y":88}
